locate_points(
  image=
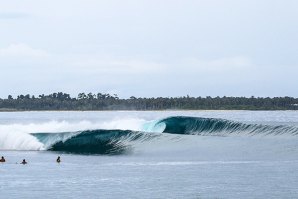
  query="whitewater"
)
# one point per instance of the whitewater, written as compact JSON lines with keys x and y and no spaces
{"x":152,"y":154}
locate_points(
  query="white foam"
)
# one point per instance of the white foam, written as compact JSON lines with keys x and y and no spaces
{"x":19,"y":141}
{"x":134,"y":124}
{"x":16,"y":136}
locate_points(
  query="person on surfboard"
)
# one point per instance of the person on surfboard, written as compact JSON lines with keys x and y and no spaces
{"x":24,"y":162}
{"x":2,"y":159}
{"x":58,"y":159}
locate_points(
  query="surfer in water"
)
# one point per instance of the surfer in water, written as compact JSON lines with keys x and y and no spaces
{"x":58,"y":159}
{"x":2,"y":159}
{"x":24,"y":162}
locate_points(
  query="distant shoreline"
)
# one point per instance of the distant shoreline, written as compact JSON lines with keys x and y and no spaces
{"x":174,"y":110}
{"x":106,"y":102}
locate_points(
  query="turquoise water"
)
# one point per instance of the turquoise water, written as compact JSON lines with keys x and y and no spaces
{"x":243,"y":154}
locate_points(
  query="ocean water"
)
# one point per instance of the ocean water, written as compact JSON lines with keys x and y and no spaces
{"x":158,"y":154}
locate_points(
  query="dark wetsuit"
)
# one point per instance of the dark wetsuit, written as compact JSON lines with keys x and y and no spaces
{"x":2,"y":159}
{"x":24,"y":162}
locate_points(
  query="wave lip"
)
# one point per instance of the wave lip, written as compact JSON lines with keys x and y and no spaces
{"x":116,"y":141}
{"x":108,"y":142}
{"x":220,"y":127}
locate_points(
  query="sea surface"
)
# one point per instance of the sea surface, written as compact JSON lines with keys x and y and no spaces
{"x":152,"y":154}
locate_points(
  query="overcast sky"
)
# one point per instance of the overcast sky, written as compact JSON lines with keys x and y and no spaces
{"x":149,"y":47}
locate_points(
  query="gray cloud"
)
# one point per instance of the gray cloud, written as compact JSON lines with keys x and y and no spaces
{"x":150,"y":48}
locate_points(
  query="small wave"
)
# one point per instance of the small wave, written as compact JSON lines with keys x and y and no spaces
{"x":175,"y":163}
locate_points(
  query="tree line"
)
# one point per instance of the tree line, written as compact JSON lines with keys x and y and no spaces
{"x":103,"y":101}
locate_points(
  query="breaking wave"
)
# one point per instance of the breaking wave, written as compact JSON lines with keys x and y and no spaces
{"x":220,"y":127}
{"x":109,"y":142}
{"x":104,"y":139}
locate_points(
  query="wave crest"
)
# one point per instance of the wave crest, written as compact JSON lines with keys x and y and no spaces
{"x":222,"y":127}
{"x":109,"y":142}
{"x":113,"y":141}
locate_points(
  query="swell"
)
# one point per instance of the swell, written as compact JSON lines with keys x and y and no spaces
{"x":220,"y":127}
{"x":115,"y":141}
{"x":109,"y":142}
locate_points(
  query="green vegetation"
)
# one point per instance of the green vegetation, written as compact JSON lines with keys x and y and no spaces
{"x":90,"y":101}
